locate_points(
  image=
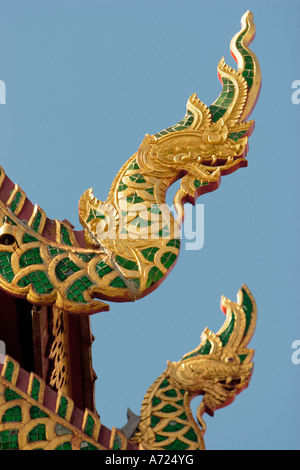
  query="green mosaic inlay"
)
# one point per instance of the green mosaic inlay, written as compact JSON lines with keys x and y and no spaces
{"x":9,"y":371}
{"x":187,"y":121}
{"x":64,"y":446}
{"x":6,"y":270}
{"x":36,"y":222}
{"x":175,"y":242}
{"x":10,"y":395}
{"x":159,"y":438}
{"x":117,"y":443}
{"x":9,"y":439}
{"x":149,"y":253}
{"x":191,"y":435}
{"x":137,"y":178}
{"x":118,"y":282}
{"x":154,"y":421}
{"x":63,"y":406}
{"x":122,"y":186}
{"x":89,"y":427}
{"x":86,"y":257}
{"x":164,"y":384}
{"x":15,"y":202}
{"x":7,"y":219}
{"x":29,"y":238}
{"x":154,"y":275}
{"x":133,"y":166}
{"x":126,"y":263}
{"x":134,"y":199}
{"x":164,"y":232}
{"x":172,"y":426}
{"x":168,"y":259}
{"x":237,"y":135}
{"x":65,"y":236}
{"x":30,"y":257}
{"x":54,"y":251}
{"x":39,"y":281}
{"x":36,"y":412}
{"x":171,"y":393}
{"x":102,"y":269}
{"x":219,"y":108}
{"x":13,"y":414}
{"x":168,"y":408}
{"x":139,"y":222}
{"x":177,"y":444}
{"x":65,"y":268}
{"x":205,"y":349}
{"x":224,"y":337}
{"x":94,"y":214}
{"x":35,"y":390}
{"x":247,"y":306}
{"x":75,"y":290}
{"x":38,"y":433}
{"x":156,"y":401}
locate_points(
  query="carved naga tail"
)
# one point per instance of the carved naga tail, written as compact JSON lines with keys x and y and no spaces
{"x":219,"y":369}
{"x":131,"y":241}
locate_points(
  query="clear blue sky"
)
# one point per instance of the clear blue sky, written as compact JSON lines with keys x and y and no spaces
{"x":85,"y":80}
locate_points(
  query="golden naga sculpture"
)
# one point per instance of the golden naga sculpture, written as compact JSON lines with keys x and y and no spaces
{"x":131,"y":241}
{"x":219,"y":369}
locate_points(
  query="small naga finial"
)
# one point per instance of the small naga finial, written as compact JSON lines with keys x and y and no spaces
{"x":219,"y":369}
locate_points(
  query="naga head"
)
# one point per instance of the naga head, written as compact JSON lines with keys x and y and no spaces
{"x":220,"y":367}
{"x":209,"y":141}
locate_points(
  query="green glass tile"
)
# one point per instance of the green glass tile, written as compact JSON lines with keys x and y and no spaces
{"x":65,"y":236}
{"x":29,"y":238}
{"x":6,"y":270}
{"x":171,"y":393}
{"x":38,"y":433}
{"x":65,"y":268}
{"x":168,"y":259}
{"x":133,"y":166}
{"x":159,"y":438}
{"x":168,"y":409}
{"x":13,"y":414}
{"x":54,"y":251}
{"x":64,"y":446}
{"x":15,"y":202}
{"x":36,"y":412}
{"x":247,"y":306}
{"x":75,"y":290}
{"x":63,"y":406}
{"x":154,"y":421}
{"x":118,"y":282}
{"x":173,"y":427}
{"x":242,"y":357}
{"x":89,"y":426}
{"x":175,"y":242}
{"x":164,"y":384}
{"x":9,"y":439}
{"x":139,"y":222}
{"x":36,"y":222}
{"x":86,"y":257}
{"x":183,"y":416}
{"x":39,"y":281}
{"x":191,"y":435}
{"x":9,"y":371}
{"x":224,"y":337}
{"x":35,"y":390}
{"x":30,"y":257}
{"x":164,"y":232}
{"x":117,"y":443}
{"x":102,"y":269}
{"x":137,"y":178}
{"x":134,"y":199}
{"x":149,"y":253}
{"x":94,"y":214}
{"x":177,"y":444}
{"x":150,"y":191}
{"x":154,"y":275}
{"x":10,"y":395}
{"x":122,"y":186}
{"x":127,"y":264}
{"x":156,"y":401}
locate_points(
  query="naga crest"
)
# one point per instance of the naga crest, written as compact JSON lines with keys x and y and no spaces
{"x":209,"y":141}
{"x":219,"y":369}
